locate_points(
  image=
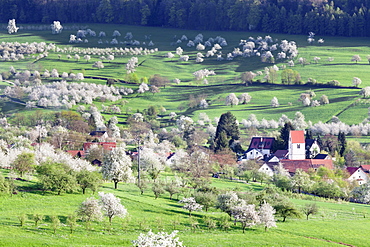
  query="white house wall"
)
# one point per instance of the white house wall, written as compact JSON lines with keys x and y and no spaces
{"x":360,"y":176}
{"x":266,"y":169}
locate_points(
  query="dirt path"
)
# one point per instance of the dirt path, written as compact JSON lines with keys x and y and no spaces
{"x":332,"y":241}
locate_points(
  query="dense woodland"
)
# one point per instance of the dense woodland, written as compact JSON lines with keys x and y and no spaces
{"x":339,"y":17}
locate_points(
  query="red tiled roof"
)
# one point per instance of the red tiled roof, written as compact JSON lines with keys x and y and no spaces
{"x":328,"y":163}
{"x":105,"y":145}
{"x":75,"y":152}
{"x":365,"y":167}
{"x":305,"y":165}
{"x":297,"y":136}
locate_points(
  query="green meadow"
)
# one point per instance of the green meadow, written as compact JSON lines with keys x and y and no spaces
{"x":175,"y":98}
{"x":335,"y":223}
{"x":341,"y":49}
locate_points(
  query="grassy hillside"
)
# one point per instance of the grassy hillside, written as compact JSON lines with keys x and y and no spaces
{"x":175,"y":98}
{"x":335,"y":223}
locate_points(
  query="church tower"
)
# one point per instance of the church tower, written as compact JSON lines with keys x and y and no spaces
{"x":297,"y":146}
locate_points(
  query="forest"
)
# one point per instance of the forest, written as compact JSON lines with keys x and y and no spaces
{"x":339,"y":17}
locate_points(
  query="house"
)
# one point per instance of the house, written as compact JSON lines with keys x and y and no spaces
{"x":87,"y":145}
{"x":322,"y":157}
{"x":297,"y":145}
{"x":100,"y":135}
{"x":357,"y":174}
{"x":268,"y":169}
{"x":259,"y":148}
{"x":281,"y":154}
{"x":306,"y":164}
{"x":253,"y":154}
{"x":105,"y":145}
{"x":77,"y":153}
{"x":301,"y":154}
{"x":366,"y":168}
{"x":96,"y":162}
{"x":312,"y":148}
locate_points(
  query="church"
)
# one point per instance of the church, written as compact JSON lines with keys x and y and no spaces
{"x":301,"y":153}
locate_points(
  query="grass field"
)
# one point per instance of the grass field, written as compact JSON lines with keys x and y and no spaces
{"x":175,"y":98}
{"x":335,"y":222}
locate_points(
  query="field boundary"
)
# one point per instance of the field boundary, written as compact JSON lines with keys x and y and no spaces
{"x":329,"y":241}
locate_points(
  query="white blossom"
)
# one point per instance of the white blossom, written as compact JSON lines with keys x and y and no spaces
{"x":179,"y":51}
{"x":231,"y":99}
{"x":12,"y":28}
{"x":56,"y":27}
{"x":117,"y":166}
{"x":356,"y":81}
{"x":162,"y":239}
{"x":90,"y":210}
{"x":203,"y":104}
{"x":191,"y":205}
{"x":111,"y":206}
{"x":275,"y":102}
{"x":266,"y":215}
{"x":246,"y":215}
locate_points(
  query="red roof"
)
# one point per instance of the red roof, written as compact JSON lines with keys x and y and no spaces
{"x":105,"y":145}
{"x":74,"y":153}
{"x":352,"y":170}
{"x":305,"y":165}
{"x":365,"y":167}
{"x":297,"y":136}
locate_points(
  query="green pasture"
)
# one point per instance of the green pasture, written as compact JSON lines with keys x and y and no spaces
{"x":336,"y":222}
{"x":340,"y":48}
{"x":175,"y":98}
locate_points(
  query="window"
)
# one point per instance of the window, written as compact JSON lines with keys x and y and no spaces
{"x":298,"y":145}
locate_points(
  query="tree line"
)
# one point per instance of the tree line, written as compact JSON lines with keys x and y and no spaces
{"x":337,"y":17}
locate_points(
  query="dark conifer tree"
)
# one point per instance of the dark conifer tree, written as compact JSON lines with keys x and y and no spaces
{"x":285,"y":132}
{"x":228,"y":125}
{"x":281,"y":143}
{"x":309,"y":134}
{"x":342,"y":143}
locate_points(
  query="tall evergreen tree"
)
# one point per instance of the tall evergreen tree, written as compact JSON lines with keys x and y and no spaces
{"x":227,"y":127}
{"x":309,"y":134}
{"x":342,"y":143}
{"x":281,"y":143}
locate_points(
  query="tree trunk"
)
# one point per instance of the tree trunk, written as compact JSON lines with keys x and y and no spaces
{"x":115,"y":184}
{"x":83,"y":190}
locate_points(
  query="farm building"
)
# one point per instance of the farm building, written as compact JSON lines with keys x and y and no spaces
{"x":301,"y":154}
{"x":357,"y":174}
